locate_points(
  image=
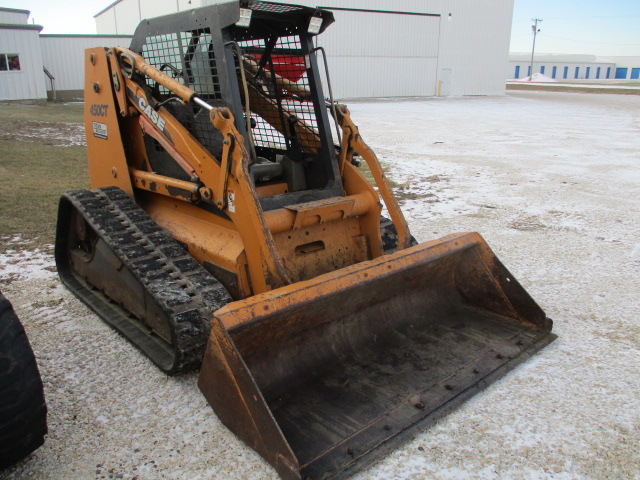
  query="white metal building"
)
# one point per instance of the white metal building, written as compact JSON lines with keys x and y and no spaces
{"x":36,"y":67}
{"x":63,"y":57}
{"x":627,"y":68}
{"x":21,"y":75}
{"x":562,"y":67}
{"x":379,"y":48}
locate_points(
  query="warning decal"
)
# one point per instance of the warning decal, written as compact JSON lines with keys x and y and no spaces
{"x":100,"y":130}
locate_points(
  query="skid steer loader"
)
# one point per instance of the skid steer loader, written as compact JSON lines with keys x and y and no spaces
{"x":229,"y":228}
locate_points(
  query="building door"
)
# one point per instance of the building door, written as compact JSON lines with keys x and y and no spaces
{"x":444,"y":88}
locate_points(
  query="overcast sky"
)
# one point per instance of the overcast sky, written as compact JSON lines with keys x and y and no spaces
{"x":589,"y":26}
{"x":62,"y":16}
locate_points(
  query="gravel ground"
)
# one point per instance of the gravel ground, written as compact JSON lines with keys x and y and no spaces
{"x":552,"y":181}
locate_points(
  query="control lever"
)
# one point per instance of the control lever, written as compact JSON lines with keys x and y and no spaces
{"x":295,"y":150}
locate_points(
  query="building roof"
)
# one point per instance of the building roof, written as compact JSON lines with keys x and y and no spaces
{"x":107,"y":8}
{"x":553,"y":57}
{"x":557,"y":57}
{"x":13,"y":26}
{"x":13,"y":10}
{"x":82,"y":35}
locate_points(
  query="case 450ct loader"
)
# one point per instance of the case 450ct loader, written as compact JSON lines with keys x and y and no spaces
{"x":229,"y":228}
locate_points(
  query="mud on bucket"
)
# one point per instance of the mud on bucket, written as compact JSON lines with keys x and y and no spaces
{"x":325,"y":376}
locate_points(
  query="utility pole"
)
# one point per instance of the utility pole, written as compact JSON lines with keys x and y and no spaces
{"x":535,"y":32}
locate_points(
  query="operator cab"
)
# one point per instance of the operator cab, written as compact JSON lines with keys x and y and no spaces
{"x":263,"y":67}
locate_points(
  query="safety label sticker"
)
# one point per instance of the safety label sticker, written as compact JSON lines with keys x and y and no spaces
{"x":100,"y":130}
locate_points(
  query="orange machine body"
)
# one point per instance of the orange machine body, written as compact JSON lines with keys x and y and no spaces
{"x":251,"y":250}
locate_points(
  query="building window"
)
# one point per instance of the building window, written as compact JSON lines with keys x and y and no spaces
{"x":598,"y":73}
{"x":542,"y":70}
{"x":635,"y":74}
{"x":577,"y":72}
{"x":588,"y":72}
{"x":566,"y":72}
{"x":529,"y":71}
{"x":608,"y":72}
{"x":554,"y":72}
{"x":9,"y":61}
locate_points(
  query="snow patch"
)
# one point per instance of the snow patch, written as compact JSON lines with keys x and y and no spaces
{"x":26,"y":265}
{"x":538,"y":77}
{"x":550,"y":180}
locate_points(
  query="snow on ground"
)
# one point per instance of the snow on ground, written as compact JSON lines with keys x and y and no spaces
{"x":585,"y":86}
{"x":61,"y":134}
{"x":537,"y":77}
{"x":551,"y":180}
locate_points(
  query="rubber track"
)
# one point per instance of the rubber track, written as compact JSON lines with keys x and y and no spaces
{"x":389,"y":236}
{"x":185,"y":292}
{"x":23,"y":412}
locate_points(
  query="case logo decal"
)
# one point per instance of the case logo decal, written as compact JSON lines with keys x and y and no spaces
{"x":151,"y":113}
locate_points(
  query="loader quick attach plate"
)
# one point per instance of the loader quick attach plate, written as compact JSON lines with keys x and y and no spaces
{"x":325,"y":376}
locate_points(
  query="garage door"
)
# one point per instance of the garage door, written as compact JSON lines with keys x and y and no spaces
{"x":382,"y":54}
{"x":621,"y":73}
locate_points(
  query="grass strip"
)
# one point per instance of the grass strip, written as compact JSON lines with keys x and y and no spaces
{"x":32,"y":178}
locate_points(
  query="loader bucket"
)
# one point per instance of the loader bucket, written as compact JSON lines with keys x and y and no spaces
{"x":325,"y":376}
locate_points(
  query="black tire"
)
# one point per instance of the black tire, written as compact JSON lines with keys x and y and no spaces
{"x":23,"y":413}
{"x":389,"y":236}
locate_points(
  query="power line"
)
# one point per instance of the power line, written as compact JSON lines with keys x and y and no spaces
{"x":594,"y":18}
{"x":583,"y":18}
{"x":597,"y":43}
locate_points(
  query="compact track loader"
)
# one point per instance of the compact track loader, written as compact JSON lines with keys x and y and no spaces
{"x":229,"y":228}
